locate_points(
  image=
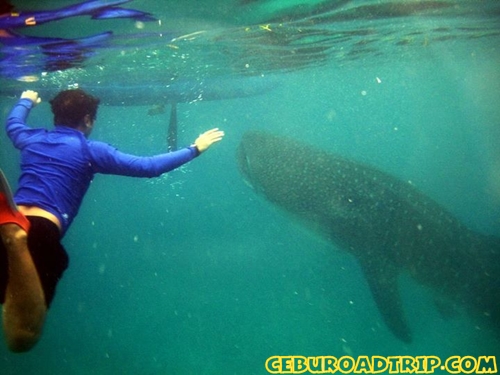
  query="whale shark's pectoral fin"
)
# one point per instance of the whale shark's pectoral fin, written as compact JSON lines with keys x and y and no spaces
{"x":383,"y":282}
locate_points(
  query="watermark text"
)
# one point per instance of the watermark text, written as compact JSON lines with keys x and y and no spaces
{"x":378,"y":364}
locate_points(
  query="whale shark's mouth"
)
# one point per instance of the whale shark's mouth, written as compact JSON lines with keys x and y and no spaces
{"x":245,"y":165}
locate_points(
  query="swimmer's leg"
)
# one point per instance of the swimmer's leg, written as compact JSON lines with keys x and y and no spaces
{"x":24,"y":308}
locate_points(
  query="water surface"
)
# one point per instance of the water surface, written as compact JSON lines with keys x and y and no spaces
{"x":193,"y":273}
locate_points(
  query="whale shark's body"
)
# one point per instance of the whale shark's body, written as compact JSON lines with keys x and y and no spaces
{"x":387,"y":224}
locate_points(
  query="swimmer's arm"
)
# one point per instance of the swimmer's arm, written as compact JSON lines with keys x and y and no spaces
{"x":108,"y":160}
{"x":16,"y":121}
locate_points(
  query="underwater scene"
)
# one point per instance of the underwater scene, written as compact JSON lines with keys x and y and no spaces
{"x":351,"y":211}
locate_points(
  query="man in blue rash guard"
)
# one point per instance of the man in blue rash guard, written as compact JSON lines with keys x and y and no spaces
{"x":57,"y":167}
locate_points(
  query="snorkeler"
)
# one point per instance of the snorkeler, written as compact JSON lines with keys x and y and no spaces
{"x":60,"y":53}
{"x":57,"y":167}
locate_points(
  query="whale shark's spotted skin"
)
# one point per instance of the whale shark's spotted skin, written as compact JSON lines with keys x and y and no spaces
{"x":387,"y":224}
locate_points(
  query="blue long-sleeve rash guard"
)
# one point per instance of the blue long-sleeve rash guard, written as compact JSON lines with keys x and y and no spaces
{"x":57,"y":166}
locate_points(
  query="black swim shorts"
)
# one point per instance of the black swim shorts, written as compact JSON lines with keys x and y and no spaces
{"x":48,"y":254}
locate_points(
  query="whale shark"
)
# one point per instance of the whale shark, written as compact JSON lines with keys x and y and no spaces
{"x":389,"y":226}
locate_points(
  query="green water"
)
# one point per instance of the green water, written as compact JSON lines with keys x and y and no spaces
{"x":193,"y":273}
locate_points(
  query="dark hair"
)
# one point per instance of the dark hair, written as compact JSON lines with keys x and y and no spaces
{"x":71,"y":106}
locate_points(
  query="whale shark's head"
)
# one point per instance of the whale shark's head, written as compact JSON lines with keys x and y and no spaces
{"x":321,"y":188}
{"x":253,"y":154}
{"x":244,"y":162}
{"x":272,"y":165}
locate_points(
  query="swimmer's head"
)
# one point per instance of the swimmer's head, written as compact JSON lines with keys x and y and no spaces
{"x":70,"y":107}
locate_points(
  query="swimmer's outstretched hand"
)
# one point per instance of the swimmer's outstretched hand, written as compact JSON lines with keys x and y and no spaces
{"x":207,"y":139}
{"x":31,"y":95}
